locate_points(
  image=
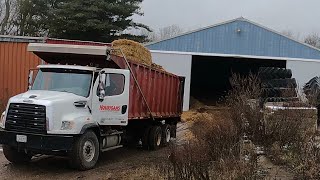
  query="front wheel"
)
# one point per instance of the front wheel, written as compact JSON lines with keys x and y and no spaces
{"x":85,"y":152}
{"x":15,"y":156}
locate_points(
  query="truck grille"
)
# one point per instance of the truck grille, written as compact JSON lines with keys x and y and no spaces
{"x":26,"y":118}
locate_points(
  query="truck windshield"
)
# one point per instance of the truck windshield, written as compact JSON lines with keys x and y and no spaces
{"x":64,"y":80}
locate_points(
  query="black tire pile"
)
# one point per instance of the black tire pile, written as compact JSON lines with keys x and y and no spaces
{"x":277,"y":84}
{"x":312,"y":90}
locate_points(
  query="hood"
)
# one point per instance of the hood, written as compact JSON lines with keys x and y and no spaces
{"x":59,"y":106}
{"x":51,"y":96}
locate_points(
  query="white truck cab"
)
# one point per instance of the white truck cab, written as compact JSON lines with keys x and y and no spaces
{"x":64,"y":101}
{"x":71,"y":96}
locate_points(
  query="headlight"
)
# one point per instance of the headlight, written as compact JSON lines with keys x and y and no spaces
{"x":67,"y":125}
{"x":2,"y":119}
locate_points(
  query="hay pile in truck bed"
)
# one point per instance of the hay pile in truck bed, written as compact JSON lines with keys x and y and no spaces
{"x":135,"y":52}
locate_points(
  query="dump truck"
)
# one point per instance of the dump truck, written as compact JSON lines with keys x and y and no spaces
{"x":83,"y":101}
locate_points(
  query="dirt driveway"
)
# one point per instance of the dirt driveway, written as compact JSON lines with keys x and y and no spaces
{"x":125,"y":163}
{"x":117,"y":164}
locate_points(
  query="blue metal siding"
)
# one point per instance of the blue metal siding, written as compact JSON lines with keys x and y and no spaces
{"x":224,"y":39}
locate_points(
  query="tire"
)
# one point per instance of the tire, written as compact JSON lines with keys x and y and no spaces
{"x":15,"y":156}
{"x":85,"y":151}
{"x":280,"y":99}
{"x":312,"y":90}
{"x":279,"y":83}
{"x":312,"y":81}
{"x":145,"y":138}
{"x":279,"y":92}
{"x":166,"y":135}
{"x":155,"y":137}
{"x":266,"y":73}
{"x":312,"y":86}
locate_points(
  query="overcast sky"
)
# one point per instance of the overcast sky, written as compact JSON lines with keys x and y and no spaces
{"x":300,"y":16}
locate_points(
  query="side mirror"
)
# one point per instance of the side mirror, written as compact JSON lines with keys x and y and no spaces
{"x":108,"y":55}
{"x":30,"y":78}
{"x":102,"y":85}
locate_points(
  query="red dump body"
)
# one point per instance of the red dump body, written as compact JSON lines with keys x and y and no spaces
{"x":163,"y":92}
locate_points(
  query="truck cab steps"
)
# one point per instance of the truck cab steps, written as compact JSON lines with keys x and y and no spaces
{"x":111,"y":148}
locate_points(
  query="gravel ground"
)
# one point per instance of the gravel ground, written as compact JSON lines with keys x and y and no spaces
{"x":124,"y":163}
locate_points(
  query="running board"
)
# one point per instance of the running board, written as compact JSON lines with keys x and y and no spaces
{"x":111,"y":148}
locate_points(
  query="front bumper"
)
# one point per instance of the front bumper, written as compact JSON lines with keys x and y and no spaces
{"x":37,"y":142}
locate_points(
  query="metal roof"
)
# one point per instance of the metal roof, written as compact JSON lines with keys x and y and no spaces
{"x":238,"y":36}
{"x":27,"y":39}
{"x":9,"y":38}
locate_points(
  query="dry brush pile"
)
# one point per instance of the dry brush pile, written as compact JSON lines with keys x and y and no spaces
{"x":290,"y":139}
{"x":224,"y":141}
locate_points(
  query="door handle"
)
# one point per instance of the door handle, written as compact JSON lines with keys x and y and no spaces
{"x":124,"y":109}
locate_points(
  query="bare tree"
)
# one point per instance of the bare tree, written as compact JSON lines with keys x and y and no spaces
{"x":7,"y":15}
{"x":313,"y":40}
{"x":288,"y":33}
{"x":169,"y":31}
{"x":150,"y":35}
{"x":291,"y":34}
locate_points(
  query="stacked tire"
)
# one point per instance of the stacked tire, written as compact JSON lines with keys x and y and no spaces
{"x":277,"y":84}
{"x":312,"y":90}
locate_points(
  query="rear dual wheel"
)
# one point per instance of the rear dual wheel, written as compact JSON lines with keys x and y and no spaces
{"x":156,"y":136}
{"x":166,"y":135}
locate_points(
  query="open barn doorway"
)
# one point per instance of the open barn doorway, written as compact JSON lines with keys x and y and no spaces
{"x":210,"y":75}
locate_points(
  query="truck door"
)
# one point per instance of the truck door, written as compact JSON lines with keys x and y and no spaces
{"x":113,"y":108}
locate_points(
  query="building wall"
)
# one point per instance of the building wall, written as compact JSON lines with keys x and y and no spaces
{"x":15,"y":63}
{"x":178,"y":64}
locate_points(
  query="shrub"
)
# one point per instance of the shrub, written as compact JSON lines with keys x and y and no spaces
{"x":189,"y":161}
{"x":244,"y":103}
{"x":219,"y":133}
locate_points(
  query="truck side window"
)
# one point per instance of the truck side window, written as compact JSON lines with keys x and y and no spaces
{"x":114,"y":84}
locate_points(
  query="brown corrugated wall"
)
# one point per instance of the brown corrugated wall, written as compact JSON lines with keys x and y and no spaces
{"x":15,"y":63}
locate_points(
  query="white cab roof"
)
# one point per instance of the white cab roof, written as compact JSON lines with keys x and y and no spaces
{"x":88,"y":68}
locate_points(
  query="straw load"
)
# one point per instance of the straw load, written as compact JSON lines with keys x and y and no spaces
{"x":135,"y":52}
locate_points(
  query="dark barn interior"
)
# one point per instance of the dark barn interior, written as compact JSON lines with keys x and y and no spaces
{"x":210,"y":75}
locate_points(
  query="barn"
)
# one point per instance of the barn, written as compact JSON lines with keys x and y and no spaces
{"x":208,"y":56}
